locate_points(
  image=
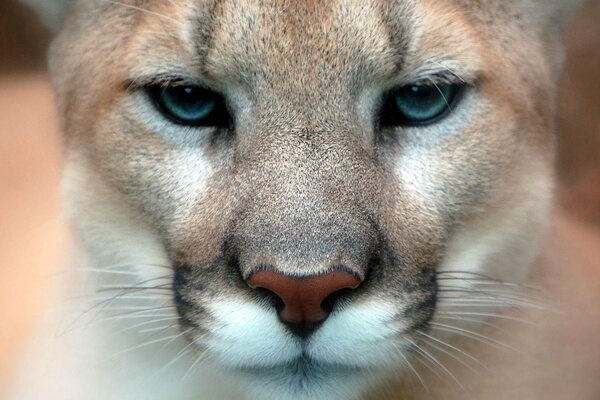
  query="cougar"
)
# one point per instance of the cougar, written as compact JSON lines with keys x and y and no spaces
{"x":309,"y":199}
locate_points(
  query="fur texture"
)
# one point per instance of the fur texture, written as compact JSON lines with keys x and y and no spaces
{"x":172,"y":219}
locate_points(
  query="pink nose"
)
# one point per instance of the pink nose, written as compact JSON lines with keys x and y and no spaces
{"x":303,"y":296}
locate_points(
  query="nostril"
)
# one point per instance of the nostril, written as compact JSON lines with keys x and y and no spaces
{"x":270,"y":297}
{"x":330,"y":301}
{"x":303,"y":301}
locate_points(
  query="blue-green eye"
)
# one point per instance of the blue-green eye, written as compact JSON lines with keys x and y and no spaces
{"x":419,"y":104}
{"x":190,"y":105}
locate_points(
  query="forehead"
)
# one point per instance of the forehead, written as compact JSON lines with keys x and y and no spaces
{"x":309,"y":36}
{"x":254,"y":40}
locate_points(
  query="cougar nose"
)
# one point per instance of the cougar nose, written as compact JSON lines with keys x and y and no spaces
{"x":303,"y":297}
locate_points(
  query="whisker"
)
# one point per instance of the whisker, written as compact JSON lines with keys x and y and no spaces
{"x":137,"y":316}
{"x":199,"y":359}
{"x":144,"y":10}
{"x":482,"y":279}
{"x":438,"y":363}
{"x":138,"y":284}
{"x":108,"y":271}
{"x":164,"y":33}
{"x":491,"y":302}
{"x":467,"y":296}
{"x":469,"y":356}
{"x":422,"y":359}
{"x":467,"y":293}
{"x":146,"y":344}
{"x":441,"y":93}
{"x":449,"y":69}
{"x":135,"y":312}
{"x":471,"y":334}
{"x":183,"y":333}
{"x":477,"y":321}
{"x":468,"y":273}
{"x":160,"y":328}
{"x":138,"y":309}
{"x":475,"y":305}
{"x":511,"y":294}
{"x":124,"y":290}
{"x":133,"y":265}
{"x":145,"y":323}
{"x":98,"y":306}
{"x":129,"y":289}
{"x":127,"y":297}
{"x":481,"y":282}
{"x":488,"y":315}
{"x":104,"y":303}
{"x":177,"y":357}
{"x":455,"y":357}
{"x":473,"y":287}
{"x":414,"y":371}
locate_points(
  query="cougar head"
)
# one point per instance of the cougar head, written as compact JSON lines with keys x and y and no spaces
{"x":316,"y":176}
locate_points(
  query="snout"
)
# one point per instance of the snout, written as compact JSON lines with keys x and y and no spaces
{"x":305,"y":260}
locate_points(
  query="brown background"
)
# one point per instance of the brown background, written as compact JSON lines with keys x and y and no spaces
{"x":32,"y":236}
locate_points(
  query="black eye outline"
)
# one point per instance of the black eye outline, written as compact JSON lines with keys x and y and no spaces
{"x":218,"y":117}
{"x":391,"y":116}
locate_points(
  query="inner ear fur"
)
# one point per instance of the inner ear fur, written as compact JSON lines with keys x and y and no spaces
{"x":51,"y":12}
{"x":553,"y":14}
{"x":562,"y":10}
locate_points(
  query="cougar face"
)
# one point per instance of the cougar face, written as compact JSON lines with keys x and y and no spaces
{"x":315,"y":175}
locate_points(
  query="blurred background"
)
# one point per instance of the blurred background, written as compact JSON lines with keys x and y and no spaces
{"x":33,"y":238}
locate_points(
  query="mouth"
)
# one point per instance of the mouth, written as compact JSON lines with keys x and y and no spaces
{"x":306,"y":378}
{"x":303,"y":368}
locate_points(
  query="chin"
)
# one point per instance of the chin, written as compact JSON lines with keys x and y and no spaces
{"x":304,"y":378}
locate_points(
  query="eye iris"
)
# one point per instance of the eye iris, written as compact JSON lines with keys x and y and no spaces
{"x":423,"y":103}
{"x":187,"y":103}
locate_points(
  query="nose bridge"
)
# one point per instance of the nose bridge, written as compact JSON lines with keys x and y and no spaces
{"x":304,"y":210}
{"x":303,"y":238}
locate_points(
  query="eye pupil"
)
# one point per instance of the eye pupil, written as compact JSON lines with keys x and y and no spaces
{"x":190,"y":105}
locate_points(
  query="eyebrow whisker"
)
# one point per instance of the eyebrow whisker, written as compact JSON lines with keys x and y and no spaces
{"x":144,"y":10}
{"x":441,"y":93}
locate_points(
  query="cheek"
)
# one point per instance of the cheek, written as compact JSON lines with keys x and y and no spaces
{"x":187,"y":180}
{"x":418,"y":172}
{"x":504,"y":240}
{"x":163,"y":178}
{"x":438,"y":164}
{"x":449,"y":176}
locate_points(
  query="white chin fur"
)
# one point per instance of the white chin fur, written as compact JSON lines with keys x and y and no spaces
{"x":250,"y":335}
{"x":362,"y":335}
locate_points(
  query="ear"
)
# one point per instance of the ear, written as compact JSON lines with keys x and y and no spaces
{"x":51,"y":12}
{"x":560,"y":11}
